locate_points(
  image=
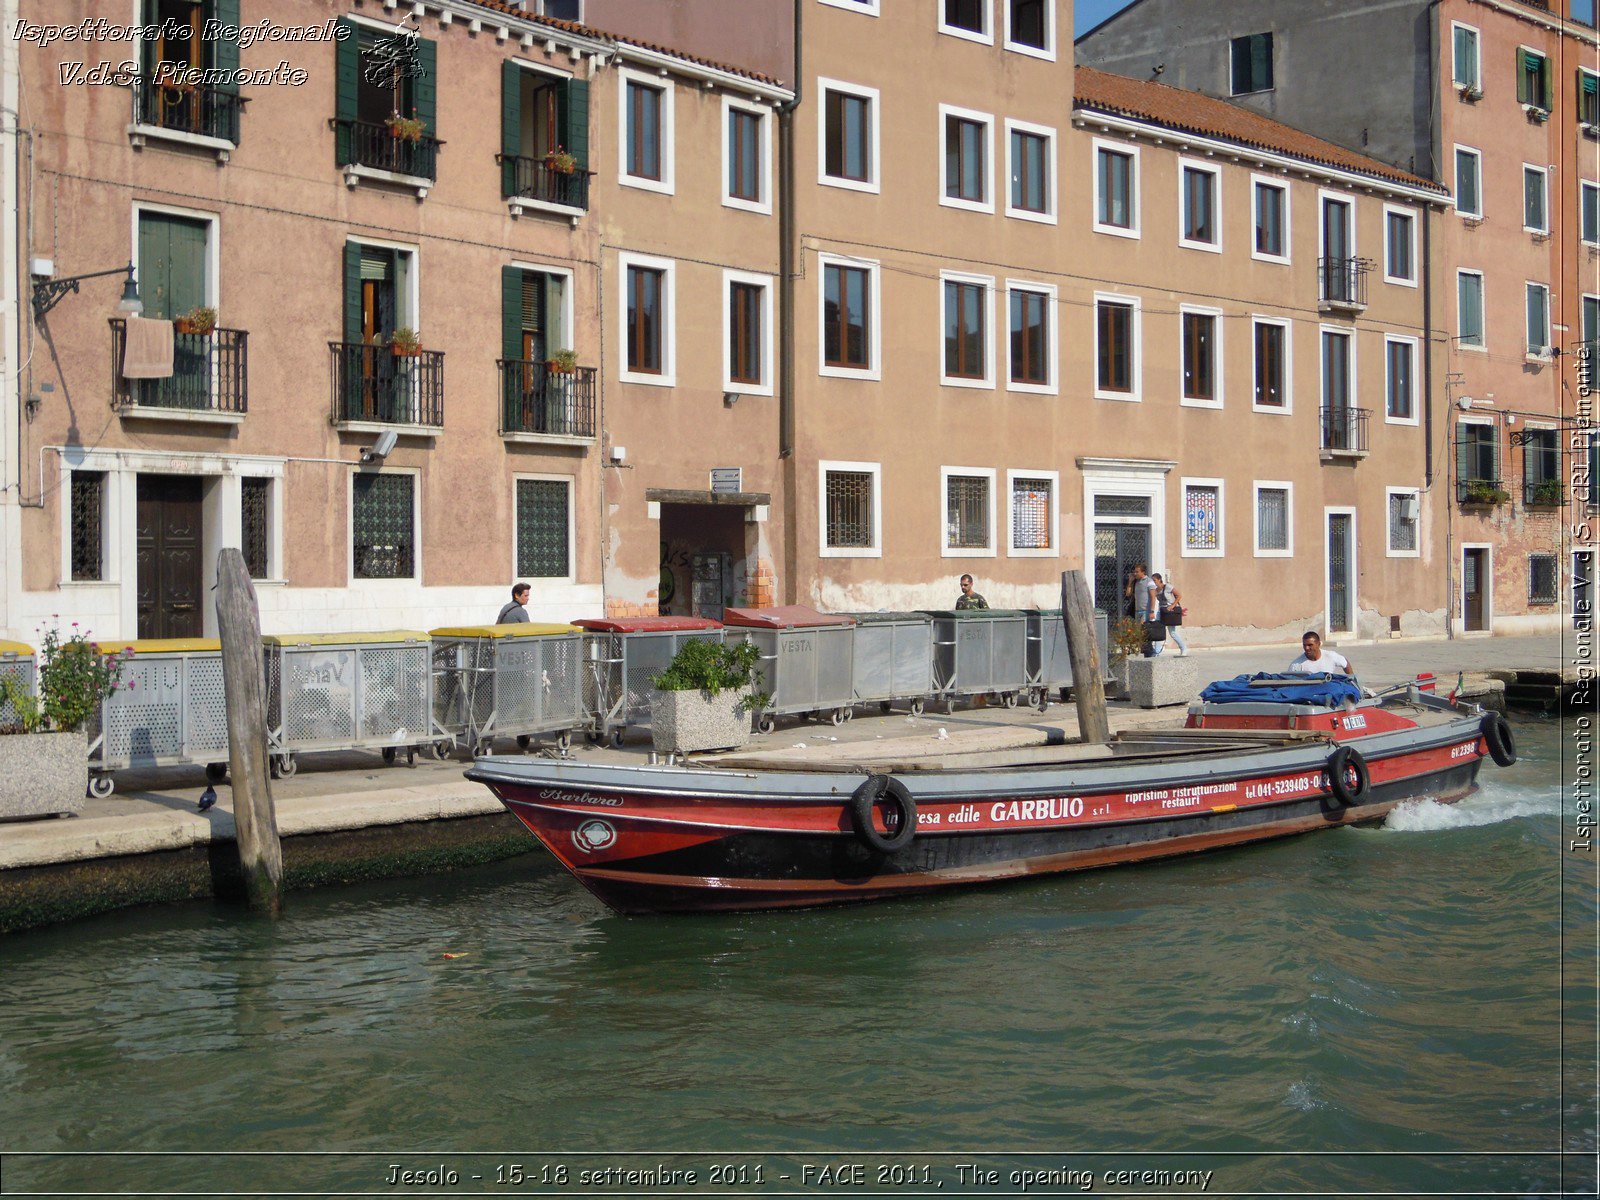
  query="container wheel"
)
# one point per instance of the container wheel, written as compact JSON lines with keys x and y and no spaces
{"x":766,"y":724}
{"x":615,"y":737}
{"x":441,"y":749}
{"x":1039,"y":698}
{"x":594,"y":737}
{"x":950,"y":705}
{"x":485,"y":747}
{"x":388,"y":755}
{"x":563,"y":740}
{"x":849,"y":713}
{"x":836,"y":717}
{"x":101,"y":786}
{"x":216,"y":772}
{"x":1010,"y":699}
{"x":523,"y":741}
{"x":286,"y":765}
{"x":917,"y":707}
{"x":1065,"y":694}
{"x":883,"y":706}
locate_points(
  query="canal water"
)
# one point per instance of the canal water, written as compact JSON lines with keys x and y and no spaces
{"x":1387,"y":1009}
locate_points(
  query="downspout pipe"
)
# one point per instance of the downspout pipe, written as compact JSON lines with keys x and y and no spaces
{"x":787,"y":224}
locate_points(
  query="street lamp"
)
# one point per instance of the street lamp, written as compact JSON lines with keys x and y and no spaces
{"x":47,"y":292}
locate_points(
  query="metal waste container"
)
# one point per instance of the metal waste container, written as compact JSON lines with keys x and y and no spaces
{"x":168,"y":710}
{"x":891,"y":659}
{"x":516,"y":681}
{"x":977,"y":651}
{"x":348,"y":691}
{"x":16,"y":664}
{"x":1050,"y":661}
{"x":623,"y":656}
{"x":805,"y":659}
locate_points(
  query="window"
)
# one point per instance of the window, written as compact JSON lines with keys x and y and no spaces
{"x":1202,"y":518}
{"x":255,"y":525}
{"x":1116,"y":191}
{"x":544,"y":528}
{"x":1335,"y":369}
{"x":1201,"y":358}
{"x":969,"y":514}
{"x":749,"y":325}
{"x":1533,"y":79}
{"x":1399,"y":246}
{"x":966,"y":159}
{"x":746,"y":181}
{"x":380,"y":74}
{"x":562,"y":10}
{"x":1542,"y":484}
{"x":1252,"y":64}
{"x":648,"y":320}
{"x":1538,"y":319}
{"x":1199,"y":216}
{"x":1030,"y":27}
{"x":1274,"y":530}
{"x":1116,"y":356}
{"x":383,"y":525}
{"x":1477,"y":454}
{"x":1469,"y":310}
{"x":1400,"y":380}
{"x":87,"y":490}
{"x":966,"y":330}
{"x":1589,"y":211}
{"x":1404,"y":506}
{"x":867,"y":8}
{"x":1271,"y":365}
{"x":1032,"y":167}
{"x":849,"y":336}
{"x":1032,"y":513}
{"x":849,"y":136}
{"x":644,"y":145}
{"x":1465,"y":72}
{"x":850,"y":522}
{"x":1590,"y":329}
{"x":1588,"y":97}
{"x":1541,"y":579}
{"x":1032,"y":346}
{"x":966,"y":18}
{"x":1535,"y":200}
{"x":1271,"y":220}
{"x":542,"y":116}
{"x":1469,"y":177}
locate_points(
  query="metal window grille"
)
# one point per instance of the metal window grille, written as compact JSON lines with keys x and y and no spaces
{"x":1201,"y":506}
{"x":967,"y":512}
{"x":1541,"y":579}
{"x":88,"y":504}
{"x":254,"y":509}
{"x":383,"y":526}
{"x":1122,"y":506}
{"x":1030,"y":514}
{"x":542,"y":522}
{"x":849,"y":503}
{"x":1402,"y":526}
{"x":1272,"y":519}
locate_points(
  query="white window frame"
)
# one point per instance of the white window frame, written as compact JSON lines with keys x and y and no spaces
{"x":1348,"y":333}
{"x":987,"y":283}
{"x":1389,"y":276}
{"x":568,"y":288}
{"x":1483,"y":306}
{"x":1585,"y":188}
{"x":1217,"y":371}
{"x":948,"y":112}
{"x":985,"y":38}
{"x":730,"y":104}
{"x":867,"y":8}
{"x":875,"y":314}
{"x":213,"y":225}
{"x":1287,"y":325}
{"x":767,"y":285}
{"x":1048,"y":217}
{"x":1341,"y":510}
{"x":1258,"y":181}
{"x":275,"y":490}
{"x":1324,"y":195}
{"x":824,"y":467}
{"x":1184,"y":484}
{"x":1544,"y":183}
{"x":1460,"y":622}
{"x":1477,"y":57}
{"x":1277,"y":485}
{"x":380,"y":585}
{"x":875,"y":163}
{"x":669,"y":325}
{"x":1136,"y":373}
{"x":572,"y":528}
{"x":666,"y":185}
{"x":1455,"y":166}
{"x":111,"y":470}
{"x":1048,"y":52}
{"x":1416,"y":365}
{"x":1544,"y":57}
{"x":1132,"y":153}
{"x":1215,"y":171}
{"x":1388,"y":522}
{"x":1052,"y":316}
{"x":1543,"y":352}
{"x":1053,"y":550}
{"x":945,"y":549}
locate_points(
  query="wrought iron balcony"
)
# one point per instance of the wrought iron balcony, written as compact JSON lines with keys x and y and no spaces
{"x":1344,"y":430}
{"x":375,"y":144}
{"x":209,"y":374}
{"x":186,"y":108}
{"x":535,"y":399}
{"x":1544,"y":493}
{"x":373,"y":383}
{"x":1481,"y":491}
{"x":1342,"y":283}
{"x":537,"y":179}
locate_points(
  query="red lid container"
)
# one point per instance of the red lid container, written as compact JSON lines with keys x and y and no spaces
{"x":644,"y":624}
{"x":785,"y":616}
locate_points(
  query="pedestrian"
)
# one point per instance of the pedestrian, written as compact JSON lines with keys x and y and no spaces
{"x":1137,"y":592}
{"x":969,"y":598}
{"x":515,"y":613}
{"x":1314,"y":660}
{"x":1169,"y":608}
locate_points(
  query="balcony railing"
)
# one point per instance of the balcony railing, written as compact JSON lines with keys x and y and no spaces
{"x":184,"y":108}
{"x":1544,"y":493}
{"x":1481,"y":491}
{"x":1342,"y":282}
{"x":535,"y":399}
{"x":373,"y":383}
{"x":209,"y":373}
{"x":374,"y":144}
{"x":536,"y":179}
{"x":1344,"y":430}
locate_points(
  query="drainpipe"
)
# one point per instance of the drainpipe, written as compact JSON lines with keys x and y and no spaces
{"x":1427,"y":340}
{"x":786,"y":309}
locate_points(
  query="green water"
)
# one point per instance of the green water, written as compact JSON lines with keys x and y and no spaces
{"x":1401,"y":1009}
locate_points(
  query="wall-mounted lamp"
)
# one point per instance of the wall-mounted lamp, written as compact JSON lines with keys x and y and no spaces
{"x":729,"y":399}
{"x":380,"y":449}
{"x":47,"y":293}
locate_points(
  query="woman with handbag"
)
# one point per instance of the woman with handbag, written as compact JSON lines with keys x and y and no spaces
{"x":1169,"y":610}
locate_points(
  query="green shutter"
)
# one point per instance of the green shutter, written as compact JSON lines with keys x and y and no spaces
{"x":510,"y":125}
{"x":425,"y":88}
{"x":1522,"y":78}
{"x":1547,"y":77}
{"x":573,"y":102}
{"x":347,"y":78}
{"x":511,"y":283}
{"x":352,"y":291}
{"x":226,"y":51}
{"x":1463,"y":455}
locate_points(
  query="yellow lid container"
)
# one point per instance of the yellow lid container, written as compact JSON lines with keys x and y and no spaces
{"x":160,"y":646}
{"x":386,"y":637}
{"x":520,"y":629}
{"x":17,"y":649}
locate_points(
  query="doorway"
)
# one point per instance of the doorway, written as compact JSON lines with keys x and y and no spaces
{"x":1341,"y":572}
{"x":170,"y":586}
{"x":1477,"y":563}
{"x":1116,"y":549}
{"x":706,"y":555}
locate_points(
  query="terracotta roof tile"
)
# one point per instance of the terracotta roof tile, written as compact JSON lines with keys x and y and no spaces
{"x":1193,"y":112}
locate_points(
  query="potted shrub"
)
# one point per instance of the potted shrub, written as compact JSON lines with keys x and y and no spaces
{"x":405,"y":342}
{"x":562,"y":362}
{"x":560,"y":161}
{"x":1127,"y":641}
{"x":199,"y":321}
{"x":44,"y":757}
{"x":704,"y":698}
{"x":1549,"y":492}
{"x":1481,"y":491}
{"x":405,"y":129}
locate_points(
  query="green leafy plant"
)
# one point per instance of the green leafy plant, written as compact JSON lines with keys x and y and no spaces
{"x":197,"y":320}
{"x":1548,"y":492}
{"x":1481,"y":491}
{"x":408,"y":129}
{"x":1127,"y":640}
{"x":406,"y":342}
{"x":563,"y":362}
{"x":74,"y":679}
{"x":713,"y":668}
{"x":559,"y":160}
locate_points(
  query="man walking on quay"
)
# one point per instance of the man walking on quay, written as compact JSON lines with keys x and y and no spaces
{"x":969,"y":598}
{"x":514,"y":613}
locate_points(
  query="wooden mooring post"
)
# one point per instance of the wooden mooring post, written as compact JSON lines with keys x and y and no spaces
{"x":244,"y":687}
{"x":1083,"y":646}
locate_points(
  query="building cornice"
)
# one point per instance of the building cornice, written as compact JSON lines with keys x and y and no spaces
{"x":711,"y":76}
{"x":1556,"y":24}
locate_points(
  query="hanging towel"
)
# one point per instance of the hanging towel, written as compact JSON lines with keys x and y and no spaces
{"x":148,"y":353}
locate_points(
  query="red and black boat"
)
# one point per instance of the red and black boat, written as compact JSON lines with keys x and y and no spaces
{"x":1264,"y":759}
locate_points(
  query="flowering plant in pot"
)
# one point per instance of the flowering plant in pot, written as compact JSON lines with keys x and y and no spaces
{"x":562,"y":362}
{"x":560,"y":160}
{"x":405,"y":129}
{"x":405,"y":342}
{"x":704,"y":698}
{"x":197,"y":321}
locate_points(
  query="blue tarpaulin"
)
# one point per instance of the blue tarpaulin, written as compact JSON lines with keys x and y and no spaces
{"x":1327,"y":691}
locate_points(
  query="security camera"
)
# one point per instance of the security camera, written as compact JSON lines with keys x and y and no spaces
{"x":380,"y":449}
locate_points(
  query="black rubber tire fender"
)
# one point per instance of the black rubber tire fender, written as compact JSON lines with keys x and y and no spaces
{"x":883,"y":789}
{"x":1348,"y":758}
{"x":1497,"y":734}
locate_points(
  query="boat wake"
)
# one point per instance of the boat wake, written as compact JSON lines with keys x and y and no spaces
{"x":1489,"y":807}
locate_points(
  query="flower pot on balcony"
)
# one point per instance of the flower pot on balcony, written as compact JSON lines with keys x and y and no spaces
{"x":42,"y":774}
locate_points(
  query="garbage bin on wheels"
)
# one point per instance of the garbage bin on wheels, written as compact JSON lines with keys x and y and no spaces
{"x":622,"y":655}
{"x":492,"y":681}
{"x":168,"y":710}
{"x":891,"y":660}
{"x":979,"y":651}
{"x":16,"y":664}
{"x":1050,"y":657}
{"x":805,"y":660}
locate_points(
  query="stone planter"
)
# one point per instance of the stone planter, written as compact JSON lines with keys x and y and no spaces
{"x":42,"y":774}
{"x":1165,"y":679}
{"x":1117,"y":680}
{"x":685,"y":722}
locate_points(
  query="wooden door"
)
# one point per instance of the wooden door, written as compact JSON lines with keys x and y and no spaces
{"x":1474,"y":590}
{"x":170,"y":585}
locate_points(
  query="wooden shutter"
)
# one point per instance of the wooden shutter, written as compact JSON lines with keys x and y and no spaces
{"x":511,"y":285}
{"x":425,"y":88}
{"x":226,"y":49}
{"x":348,"y":83}
{"x":510,"y":125}
{"x":1522,"y":78}
{"x":352,"y":291}
{"x":572,"y":112}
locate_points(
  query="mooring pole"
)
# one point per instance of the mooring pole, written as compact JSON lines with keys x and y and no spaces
{"x":244,"y":687}
{"x":1088,"y":677}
